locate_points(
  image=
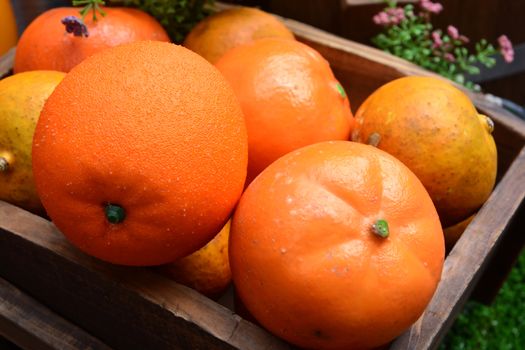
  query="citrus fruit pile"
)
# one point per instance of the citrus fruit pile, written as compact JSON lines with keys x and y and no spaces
{"x":243,"y":161}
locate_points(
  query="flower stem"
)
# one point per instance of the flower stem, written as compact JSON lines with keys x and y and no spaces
{"x":90,"y":5}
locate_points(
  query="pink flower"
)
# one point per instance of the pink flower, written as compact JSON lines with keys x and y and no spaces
{"x":436,"y":38}
{"x":381,"y":18}
{"x":396,"y":15}
{"x":507,"y":51}
{"x":449,"y":57}
{"x":463,"y":39}
{"x":391,"y":16}
{"x":453,"y":32}
{"x":429,"y":6}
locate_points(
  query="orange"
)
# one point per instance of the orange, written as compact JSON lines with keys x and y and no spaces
{"x":336,"y":245}
{"x":454,"y":232}
{"x":289,"y":96}
{"x":8,"y":35}
{"x":434,"y":129}
{"x":217,"y":34}
{"x":207,"y":270}
{"x":45,"y":44}
{"x":22,"y":97}
{"x":140,"y":153}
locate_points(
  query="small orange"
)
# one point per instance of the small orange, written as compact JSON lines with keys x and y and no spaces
{"x":8,"y":35}
{"x":289,"y":96}
{"x":454,"y":232}
{"x":45,"y":44}
{"x":140,"y":153}
{"x":336,"y":245}
{"x":207,"y":270}
{"x":435,"y":130}
{"x":217,"y":34}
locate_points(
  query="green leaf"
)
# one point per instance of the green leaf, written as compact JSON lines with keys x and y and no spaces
{"x":178,"y":17}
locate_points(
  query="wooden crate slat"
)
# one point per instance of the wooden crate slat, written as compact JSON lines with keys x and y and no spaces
{"x":126,"y":307}
{"x":466,"y":261}
{"x":33,"y":326}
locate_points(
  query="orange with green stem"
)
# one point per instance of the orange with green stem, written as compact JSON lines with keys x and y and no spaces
{"x":336,"y":245}
{"x":131,"y":174}
{"x":45,"y":44}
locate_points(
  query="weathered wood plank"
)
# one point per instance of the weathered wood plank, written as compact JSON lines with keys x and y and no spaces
{"x":465,"y":263}
{"x":30,"y":325}
{"x":125,"y":307}
{"x":500,"y":264}
{"x":7,"y":62}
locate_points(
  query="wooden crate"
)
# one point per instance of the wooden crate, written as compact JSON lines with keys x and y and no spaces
{"x":136,"y":308}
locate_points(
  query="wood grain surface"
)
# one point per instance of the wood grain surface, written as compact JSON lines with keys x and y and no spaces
{"x":29,"y":325}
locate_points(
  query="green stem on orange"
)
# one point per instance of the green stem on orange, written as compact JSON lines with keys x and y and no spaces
{"x":89,"y":5}
{"x":380,"y":228}
{"x":115,"y":214}
{"x":341,"y":90}
{"x":4,"y":164}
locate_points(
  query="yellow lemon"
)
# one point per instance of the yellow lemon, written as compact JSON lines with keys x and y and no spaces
{"x":22,"y":97}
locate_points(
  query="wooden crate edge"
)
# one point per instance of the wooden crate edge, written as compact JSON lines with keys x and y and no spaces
{"x":467,"y":260}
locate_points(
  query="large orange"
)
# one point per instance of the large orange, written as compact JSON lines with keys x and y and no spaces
{"x":217,"y":34}
{"x":289,"y":96}
{"x":140,"y":154}
{"x":434,"y":129}
{"x":336,"y":245}
{"x":45,"y":44}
